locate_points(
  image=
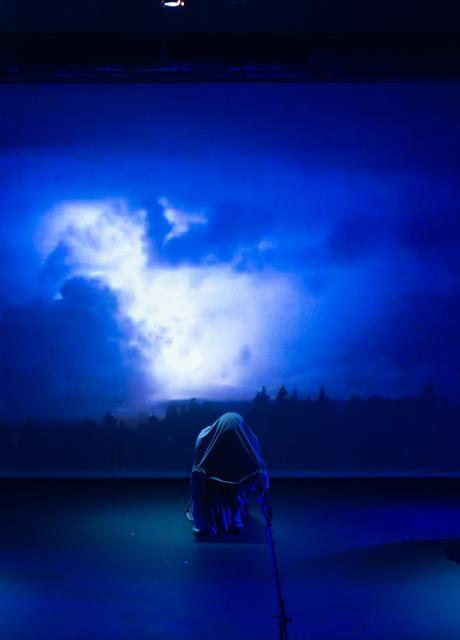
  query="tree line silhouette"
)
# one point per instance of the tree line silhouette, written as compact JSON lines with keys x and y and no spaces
{"x":376,"y":434}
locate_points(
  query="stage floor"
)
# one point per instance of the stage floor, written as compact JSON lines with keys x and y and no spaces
{"x":100,"y":560}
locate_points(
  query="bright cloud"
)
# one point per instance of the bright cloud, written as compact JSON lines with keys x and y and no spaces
{"x":180,"y":221}
{"x":202,"y":330}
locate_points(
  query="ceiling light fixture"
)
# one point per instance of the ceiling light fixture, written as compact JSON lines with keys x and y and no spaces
{"x":172,"y":3}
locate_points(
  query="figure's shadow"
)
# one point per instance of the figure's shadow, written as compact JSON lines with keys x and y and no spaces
{"x":390,"y":561}
{"x":253,"y":533}
{"x":452,"y":552}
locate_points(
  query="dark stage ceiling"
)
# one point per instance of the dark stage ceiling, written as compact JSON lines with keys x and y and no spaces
{"x":230,"y":16}
{"x":229,"y":40}
{"x":228,"y":58}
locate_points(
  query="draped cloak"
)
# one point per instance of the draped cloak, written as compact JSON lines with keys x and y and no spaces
{"x":228,"y":466}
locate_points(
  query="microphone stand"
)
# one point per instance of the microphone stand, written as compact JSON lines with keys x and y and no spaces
{"x":282,"y":616}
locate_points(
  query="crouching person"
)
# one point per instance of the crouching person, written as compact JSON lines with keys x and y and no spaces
{"x":227,"y":468}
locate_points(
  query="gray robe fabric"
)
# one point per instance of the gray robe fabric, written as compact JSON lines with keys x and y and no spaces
{"x":228,"y":466}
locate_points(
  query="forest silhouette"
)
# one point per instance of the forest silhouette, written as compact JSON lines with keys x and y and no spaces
{"x":413,"y":434}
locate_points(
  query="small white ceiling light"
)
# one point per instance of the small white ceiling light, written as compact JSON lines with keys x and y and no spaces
{"x":172,"y":3}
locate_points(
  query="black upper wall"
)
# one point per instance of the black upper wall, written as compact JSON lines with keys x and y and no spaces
{"x":229,"y":40}
{"x":229,"y":16}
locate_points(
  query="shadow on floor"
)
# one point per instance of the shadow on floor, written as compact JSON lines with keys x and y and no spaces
{"x":384,"y":562}
{"x":452,"y":552}
{"x":254,"y":533}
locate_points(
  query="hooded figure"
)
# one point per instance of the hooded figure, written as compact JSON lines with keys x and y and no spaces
{"x":227,"y":468}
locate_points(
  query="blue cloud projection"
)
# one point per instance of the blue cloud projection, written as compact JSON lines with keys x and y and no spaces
{"x":206,"y":240}
{"x":190,"y":323}
{"x":63,"y":357}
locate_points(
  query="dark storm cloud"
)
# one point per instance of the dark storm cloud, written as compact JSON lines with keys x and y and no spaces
{"x":431,"y":236}
{"x":354,"y":190}
{"x":233,"y":231}
{"x":377,"y":125}
{"x":434,"y":236}
{"x":63,"y":357}
{"x":422,"y":331}
{"x":235,"y":222}
{"x":54,"y":272}
{"x":415,"y":340}
{"x":356,"y":236}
